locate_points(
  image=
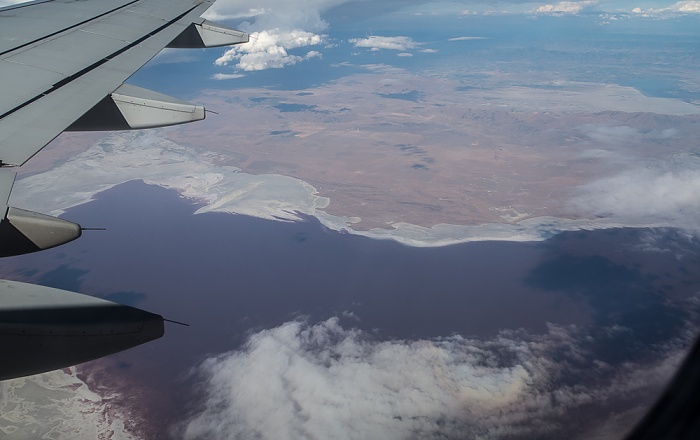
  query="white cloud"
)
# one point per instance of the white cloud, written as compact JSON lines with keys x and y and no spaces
{"x":224,"y":76}
{"x":269,"y":49}
{"x":223,"y":10}
{"x":276,"y":27}
{"x":405,"y":54}
{"x":625,"y":135}
{"x":466,"y":38}
{"x":376,"y":42}
{"x":687,"y":6}
{"x":566,"y":7}
{"x":271,"y":14}
{"x":324,"y":381}
{"x":679,"y":8}
{"x":667,"y":195}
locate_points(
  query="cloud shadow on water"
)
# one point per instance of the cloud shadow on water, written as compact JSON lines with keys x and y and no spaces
{"x":630,"y":313}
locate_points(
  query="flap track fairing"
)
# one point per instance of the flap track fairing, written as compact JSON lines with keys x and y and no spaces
{"x":208,"y":34}
{"x":134,"y":108}
{"x":43,"y":328}
{"x":23,"y":232}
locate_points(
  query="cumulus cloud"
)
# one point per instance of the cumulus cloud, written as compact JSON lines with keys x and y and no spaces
{"x":275,"y":28}
{"x":376,"y":42}
{"x":679,"y":8}
{"x":566,"y":7}
{"x":269,"y":49}
{"x":687,"y":6}
{"x":325,"y":381}
{"x":666,"y":194}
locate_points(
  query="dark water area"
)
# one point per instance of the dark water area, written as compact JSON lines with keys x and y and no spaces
{"x":239,"y":273}
{"x":228,"y":276}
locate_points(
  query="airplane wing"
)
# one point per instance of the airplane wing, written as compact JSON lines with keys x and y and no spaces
{"x":63,"y":64}
{"x":60,"y":58}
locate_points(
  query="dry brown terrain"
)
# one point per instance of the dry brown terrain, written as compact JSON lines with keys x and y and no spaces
{"x":418,"y":150}
{"x":392,"y":147}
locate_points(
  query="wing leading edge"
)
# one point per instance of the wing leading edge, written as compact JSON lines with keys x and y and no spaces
{"x":63,"y":64}
{"x":50,"y":82}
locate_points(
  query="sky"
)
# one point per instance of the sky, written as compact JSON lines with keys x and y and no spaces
{"x":277,"y":27}
{"x":335,"y":378}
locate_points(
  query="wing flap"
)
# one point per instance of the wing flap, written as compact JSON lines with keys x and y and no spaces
{"x":21,"y":83}
{"x":59,"y":55}
{"x":166,"y":9}
{"x":127,"y":27}
{"x":28,"y":23}
{"x":7,"y":181}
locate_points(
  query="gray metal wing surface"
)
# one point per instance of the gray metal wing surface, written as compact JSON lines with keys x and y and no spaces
{"x":63,"y":64}
{"x":68,"y":55}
